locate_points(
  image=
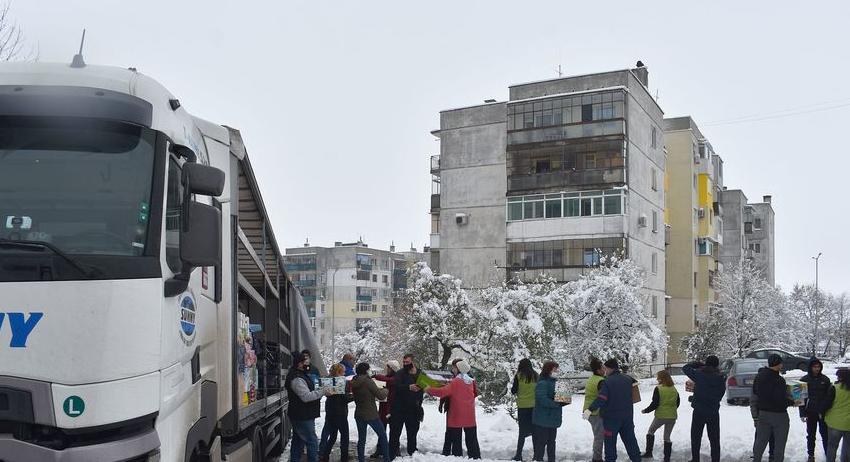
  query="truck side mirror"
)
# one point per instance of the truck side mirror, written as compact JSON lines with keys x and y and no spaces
{"x":200,"y":245}
{"x":203,"y":179}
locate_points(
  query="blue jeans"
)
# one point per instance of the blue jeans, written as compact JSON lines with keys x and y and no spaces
{"x":378,"y":427}
{"x":304,"y":435}
{"x":334,"y":424}
{"x":626,"y":429}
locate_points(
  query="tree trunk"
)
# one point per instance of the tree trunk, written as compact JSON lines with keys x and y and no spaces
{"x":447,"y":354}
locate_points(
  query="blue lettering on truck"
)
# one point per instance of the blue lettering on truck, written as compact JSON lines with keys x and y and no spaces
{"x":21,"y":327}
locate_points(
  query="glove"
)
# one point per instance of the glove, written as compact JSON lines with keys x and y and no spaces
{"x":803,"y":418}
{"x":586,"y":414}
{"x":755,"y":422}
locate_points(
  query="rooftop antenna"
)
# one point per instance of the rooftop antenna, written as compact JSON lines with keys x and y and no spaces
{"x":78,"y":62}
{"x":560,"y":73}
{"x":656,"y":94}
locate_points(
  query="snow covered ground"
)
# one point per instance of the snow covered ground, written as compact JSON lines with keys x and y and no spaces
{"x":497,"y":432}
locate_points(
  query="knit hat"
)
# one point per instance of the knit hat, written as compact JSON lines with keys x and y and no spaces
{"x":394,"y":365}
{"x":595,"y":364}
{"x":463,"y":366}
{"x":712,"y":361}
{"x":297,"y":358}
{"x":612,"y":364}
{"x":774,"y":360}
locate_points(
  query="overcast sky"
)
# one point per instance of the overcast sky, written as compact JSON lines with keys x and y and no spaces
{"x":336,"y":100}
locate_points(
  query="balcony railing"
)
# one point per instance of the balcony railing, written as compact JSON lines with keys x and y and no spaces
{"x":364,"y":298}
{"x":300,"y":267}
{"x":595,"y":177}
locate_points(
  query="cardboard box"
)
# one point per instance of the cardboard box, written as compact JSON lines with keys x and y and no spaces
{"x":563,"y":392}
{"x":797,"y":391}
{"x":336,"y":383}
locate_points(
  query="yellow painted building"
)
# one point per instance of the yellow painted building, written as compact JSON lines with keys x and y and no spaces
{"x":693,"y":184}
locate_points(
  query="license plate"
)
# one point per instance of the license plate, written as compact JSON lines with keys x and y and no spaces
{"x":748,"y":382}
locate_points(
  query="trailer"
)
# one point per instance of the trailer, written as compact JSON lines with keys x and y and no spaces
{"x":145,"y":311}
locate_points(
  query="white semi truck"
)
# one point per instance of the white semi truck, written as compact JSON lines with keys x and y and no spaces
{"x":145,"y":311}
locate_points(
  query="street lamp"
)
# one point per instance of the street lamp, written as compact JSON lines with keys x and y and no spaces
{"x":817,"y":303}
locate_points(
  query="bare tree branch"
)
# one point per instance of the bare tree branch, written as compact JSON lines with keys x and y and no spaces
{"x":12,"y":41}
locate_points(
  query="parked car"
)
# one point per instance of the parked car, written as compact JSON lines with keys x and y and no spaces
{"x":790,"y":361}
{"x":739,"y":379}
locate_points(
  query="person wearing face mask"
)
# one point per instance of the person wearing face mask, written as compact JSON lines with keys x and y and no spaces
{"x":406,"y":412}
{"x":304,"y":408}
{"x":547,"y":415}
{"x":615,"y":402}
{"x":460,"y":415}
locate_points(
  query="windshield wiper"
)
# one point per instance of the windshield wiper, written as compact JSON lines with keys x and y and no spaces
{"x":89,"y":273}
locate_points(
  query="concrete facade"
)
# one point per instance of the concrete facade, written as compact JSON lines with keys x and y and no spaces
{"x":588,"y":149}
{"x":749,"y":232}
{"x":695,"y":181}
{"x":348,"y":284}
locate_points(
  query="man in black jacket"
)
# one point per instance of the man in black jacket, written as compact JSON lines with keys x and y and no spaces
{"x":407,"y":409}
{"x":773,"y":403}
{"x":304,"y":407}
{"x":813,"y":410}
{"x":709,"y":388}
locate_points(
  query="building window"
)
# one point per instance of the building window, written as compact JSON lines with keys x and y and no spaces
{"x":374,"y":278}
{"x":323,"y":308}
{"x":756,"y":247}
{"x":654,"y":137}
{"x":695,"y":279}
{"x":385,"y":279}
{"x":757,"y":223}
{"x":566,"y":110}
{"x":654,"y":180}
{"x":655,"y":306}
{"x":654,"y":221}
{"x":585,"y":204}
{"x":573,"y":253}
{"x":654,"y":263}
{"x":374,"y":308}
{"x":748,"y":227}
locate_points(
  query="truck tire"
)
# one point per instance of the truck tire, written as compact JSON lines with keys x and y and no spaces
{"x":282,"y":438}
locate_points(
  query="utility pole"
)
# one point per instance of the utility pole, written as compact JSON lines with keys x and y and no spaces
{"x":817,"y":303}
{"x":333,"y":312}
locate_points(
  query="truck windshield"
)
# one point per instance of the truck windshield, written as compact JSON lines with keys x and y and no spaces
{"x":80,"y":185}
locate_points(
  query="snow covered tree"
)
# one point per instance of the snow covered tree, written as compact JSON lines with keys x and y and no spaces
{"x":838,"y":323}
{"x":438,"y":309}
{"x":751,"y":313}
{"x":809,"y":313}
{"x":607,"y":317}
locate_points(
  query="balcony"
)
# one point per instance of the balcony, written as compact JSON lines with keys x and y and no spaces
{"x":435,"y":165}
{"x":300,"y":267}
{"x":435,"y":202}
{"x":364,"y":298}
{"x":305,"y":283}
{"x":668,"y":234}
{"x":601,"y":178}
{"x":567,"y":132}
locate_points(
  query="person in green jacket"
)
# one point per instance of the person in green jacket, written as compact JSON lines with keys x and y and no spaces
{"x":591,"y":392}
{"x":525,"y":381}
{"x":838,"y":416}
{"x":665,"y":403}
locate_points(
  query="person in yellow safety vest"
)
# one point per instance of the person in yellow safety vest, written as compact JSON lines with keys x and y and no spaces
{"x":838,"y":416}
{"x":665,"y":403}
{"x":591,"y":392}
{"x":523,"y":387}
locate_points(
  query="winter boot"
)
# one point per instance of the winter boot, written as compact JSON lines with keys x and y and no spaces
{"x":668,"y":449}
{"x":650,"y":442}
{"x":811,"y":459}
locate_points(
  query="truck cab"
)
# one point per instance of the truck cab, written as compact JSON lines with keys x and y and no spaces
{"x":126,"y":271}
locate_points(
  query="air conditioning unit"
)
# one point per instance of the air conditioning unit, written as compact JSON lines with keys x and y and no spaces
{"x":461,"y":219}
{"x":642,"y":221}
{"x":701,"y":212}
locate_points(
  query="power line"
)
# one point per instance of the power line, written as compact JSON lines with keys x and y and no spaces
{"x":783,"y":113}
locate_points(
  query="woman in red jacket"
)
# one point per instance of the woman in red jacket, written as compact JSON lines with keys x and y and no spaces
{"x":460,"y":418}
{"x":384,"y":406}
